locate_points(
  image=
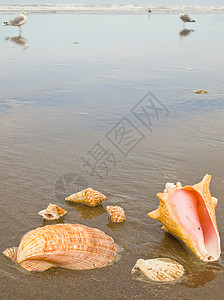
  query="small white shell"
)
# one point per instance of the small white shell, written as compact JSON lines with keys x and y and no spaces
{"x":159,"y":269}
{"x":52,"y":212}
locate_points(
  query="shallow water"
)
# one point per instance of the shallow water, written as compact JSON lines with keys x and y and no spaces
{"x":66,"y":87}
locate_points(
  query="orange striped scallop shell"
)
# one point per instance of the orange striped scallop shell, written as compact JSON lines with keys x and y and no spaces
{"x":70,"y":246}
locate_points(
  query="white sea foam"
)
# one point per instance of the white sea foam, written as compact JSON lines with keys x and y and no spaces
{"x":110,"y":9}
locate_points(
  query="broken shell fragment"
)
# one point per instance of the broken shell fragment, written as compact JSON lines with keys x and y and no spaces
{"x":159,"y":269}
{"x":116,"y":214}
{"x":201,"y":92}
{"x":52,"y":212}
{"x":88,"y":197}
{"x":189,"y":214}
{"x":70,"y":246}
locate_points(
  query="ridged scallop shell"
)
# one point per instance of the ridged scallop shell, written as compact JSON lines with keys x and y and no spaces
{"x":116,"y":214}
{"x":159,"y":269}
{"x":52,"y":212}
{"x":88,"y":197}
{"x":70,"y":246}
{"x":189,"y":213}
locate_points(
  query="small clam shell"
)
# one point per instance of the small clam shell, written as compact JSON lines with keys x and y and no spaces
{"x":116,"y":214}
{"x":52,"y":212}
{"x":159,"y":269}
{"x":88,"y":197}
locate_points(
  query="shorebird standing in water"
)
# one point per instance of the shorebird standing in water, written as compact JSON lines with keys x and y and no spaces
{"x":185,"y":18}
{"x":18,"y":21}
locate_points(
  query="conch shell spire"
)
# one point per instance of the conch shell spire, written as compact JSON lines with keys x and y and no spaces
{"x":189,"y":213}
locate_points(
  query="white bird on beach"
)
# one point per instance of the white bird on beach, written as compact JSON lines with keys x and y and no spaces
{"x":185,"y":18}
{"x":18,"y":21}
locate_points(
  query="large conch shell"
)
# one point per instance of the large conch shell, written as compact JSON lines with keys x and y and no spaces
{"x":52,"y":212}
{"x":70,"y":246}
{"x":189,"y":213}
{"x":88,"y":197}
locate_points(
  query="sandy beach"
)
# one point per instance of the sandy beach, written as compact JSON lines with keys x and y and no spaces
{"x":67,"y":83}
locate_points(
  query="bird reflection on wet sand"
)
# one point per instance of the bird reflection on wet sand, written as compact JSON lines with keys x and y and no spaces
{"x":19,"y":40}
{"x":185,"y":32}
{"x":197,"y":273}
{"x":115,"y":226}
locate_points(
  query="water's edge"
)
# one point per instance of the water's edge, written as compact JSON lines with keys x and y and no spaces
{"x":111,"y":9}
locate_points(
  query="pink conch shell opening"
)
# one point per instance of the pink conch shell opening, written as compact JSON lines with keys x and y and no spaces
{"x":189,"y":213}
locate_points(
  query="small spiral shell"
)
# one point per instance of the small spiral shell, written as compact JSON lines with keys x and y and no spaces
{"x":88,"y":197}
{"x":116,"y":214}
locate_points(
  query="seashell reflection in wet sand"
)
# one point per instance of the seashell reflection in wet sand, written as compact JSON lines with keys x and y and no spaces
{"x":71,"y":246}
{"x":52,"y":212}
{"x":185,"y":32}
{"x":18,"y":40}
{"x":88,"y":212}
{"x":189,"y":214}
{"x":68,"y":184}
{"x":200,"y":275}
{"x":116,"y":226}
{"x":88,"y":197}
{"x":159,"y":269}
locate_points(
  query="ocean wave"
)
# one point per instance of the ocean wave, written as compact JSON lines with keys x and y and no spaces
{"x":110,"y":9}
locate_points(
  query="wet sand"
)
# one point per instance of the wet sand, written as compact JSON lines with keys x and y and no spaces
{"x":60,"y":100}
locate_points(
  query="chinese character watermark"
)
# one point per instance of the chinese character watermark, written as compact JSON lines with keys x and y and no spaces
{"x":68,"y":184}
{"x":100,"y":160}
{"x":148,"y":109}
{"x":125,"y":136}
